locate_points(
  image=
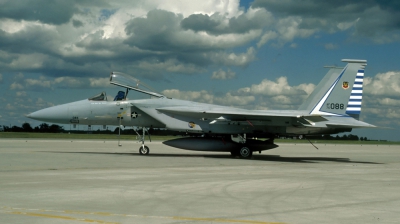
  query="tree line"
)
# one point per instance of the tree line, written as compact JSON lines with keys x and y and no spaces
{"x":43,"y":128}
{"x":337,"y":137}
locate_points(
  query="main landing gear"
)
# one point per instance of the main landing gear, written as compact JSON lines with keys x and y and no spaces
{"x":243,"y":152}
{"x":143,"y":150}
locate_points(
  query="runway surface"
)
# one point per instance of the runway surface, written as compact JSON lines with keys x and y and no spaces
{"x":64,"y":181}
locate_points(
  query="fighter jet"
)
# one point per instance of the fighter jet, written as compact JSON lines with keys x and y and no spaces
{"x":333,"y":107}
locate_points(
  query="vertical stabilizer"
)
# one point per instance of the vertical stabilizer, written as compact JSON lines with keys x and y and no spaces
{"x":340,"y":91}
{"x":321,"y":88}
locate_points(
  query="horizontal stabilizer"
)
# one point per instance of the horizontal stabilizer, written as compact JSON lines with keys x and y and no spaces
{"x":358,"y":124}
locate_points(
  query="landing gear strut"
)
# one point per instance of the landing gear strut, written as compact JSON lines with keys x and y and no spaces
{"x":143,"y":150}
{"x":244,"y":152}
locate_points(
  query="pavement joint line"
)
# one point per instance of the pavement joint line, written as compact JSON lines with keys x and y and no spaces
{"x":30,"y":212}
{"x":58,"y":217}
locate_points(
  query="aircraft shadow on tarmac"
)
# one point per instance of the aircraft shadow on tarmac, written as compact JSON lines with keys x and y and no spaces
{"x":256,"y":157}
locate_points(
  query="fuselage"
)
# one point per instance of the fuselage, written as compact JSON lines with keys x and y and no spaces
{"x":148,"y":113}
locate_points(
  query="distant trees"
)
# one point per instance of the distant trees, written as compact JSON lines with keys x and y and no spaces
{"x":26,"y":127}
{"x":337,"y":137}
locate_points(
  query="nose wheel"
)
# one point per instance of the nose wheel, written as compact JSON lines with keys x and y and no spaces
{"x":144,"y":150}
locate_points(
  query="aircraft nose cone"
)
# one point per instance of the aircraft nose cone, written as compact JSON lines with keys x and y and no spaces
{"x":57,"y":114}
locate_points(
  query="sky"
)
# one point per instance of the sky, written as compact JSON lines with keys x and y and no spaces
{"x":211,"y":51}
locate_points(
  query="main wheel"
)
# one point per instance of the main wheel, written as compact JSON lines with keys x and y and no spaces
{"x":245,"y":153}
{"x":144,"y":150}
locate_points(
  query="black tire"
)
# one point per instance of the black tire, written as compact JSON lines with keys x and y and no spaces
{"x":144,"y":150}
{"x":245,"y":153}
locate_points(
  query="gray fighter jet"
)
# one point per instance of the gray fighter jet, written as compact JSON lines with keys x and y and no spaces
{"x":333,"y":107}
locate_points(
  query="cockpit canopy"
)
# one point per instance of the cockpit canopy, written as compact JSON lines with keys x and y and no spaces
{"x":129,"y":82}
{"x":126,"y":81}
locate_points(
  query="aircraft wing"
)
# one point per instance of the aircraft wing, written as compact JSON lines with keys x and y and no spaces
{"x":299,"y":118}
{"x":228,"y":114}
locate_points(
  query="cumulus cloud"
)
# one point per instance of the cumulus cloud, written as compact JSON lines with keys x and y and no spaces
{"x":204,"y":96}
{"x":234,"y":100}
{"x":54,"y":12}
{"x":330,"y":46}
{"x":9,"y":107}
{"x":45,"y":84}
{"x":266,"y":95}
{"x":267,"y":36}
{"x":199,"y":96}
{"x":381,"y":100}
{"x":383,"y":84}
{"x":364,"y":18}
{"x":217,"y":24}
{"x":20,"y":94}
{"x":149,"y":37}
{"x":279,"y":87}
{"x":99,"y":82}
{"x":153,"y":37}
{"x":16,"y":86}
{"x":223,"y":75}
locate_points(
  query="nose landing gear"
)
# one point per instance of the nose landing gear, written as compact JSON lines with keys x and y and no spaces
{"x":143,"y":150}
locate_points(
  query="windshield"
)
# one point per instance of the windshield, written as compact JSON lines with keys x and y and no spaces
{"x":99,"y":97}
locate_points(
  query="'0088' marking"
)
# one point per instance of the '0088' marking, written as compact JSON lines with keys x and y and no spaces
{"x":335,"y":106}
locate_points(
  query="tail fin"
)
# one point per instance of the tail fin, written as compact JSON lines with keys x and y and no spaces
{"x":340,"y":91}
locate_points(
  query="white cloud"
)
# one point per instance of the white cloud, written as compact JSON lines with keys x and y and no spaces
{"x":40,"y":103}
{"x":233,"y":59}
{"x":267,"y":36}
{"x":170,"y":65}
{"x":16,"y":86}
{"x":376,"y":20}
{"x":204,"y":96}
{"x":198,"y":96}
{"x":68,"y":82}
{"x":280,"y":87}
{"x":289,"y":28}
{"x":223,"y":75}
{"x":281,"y":99}
{"x":99,"y":82}
{"x":330,"y":46}
{"x":384,"y":84}
{"x":148,"y":33}
{"x":9,"y":107}
{"x":266,"y":95}
{"x":21,"y":94}
{"x":42,"y":83}
{"x":230,"y":100}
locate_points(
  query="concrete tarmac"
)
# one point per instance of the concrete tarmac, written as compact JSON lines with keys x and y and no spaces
{"x":85,"y":181}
